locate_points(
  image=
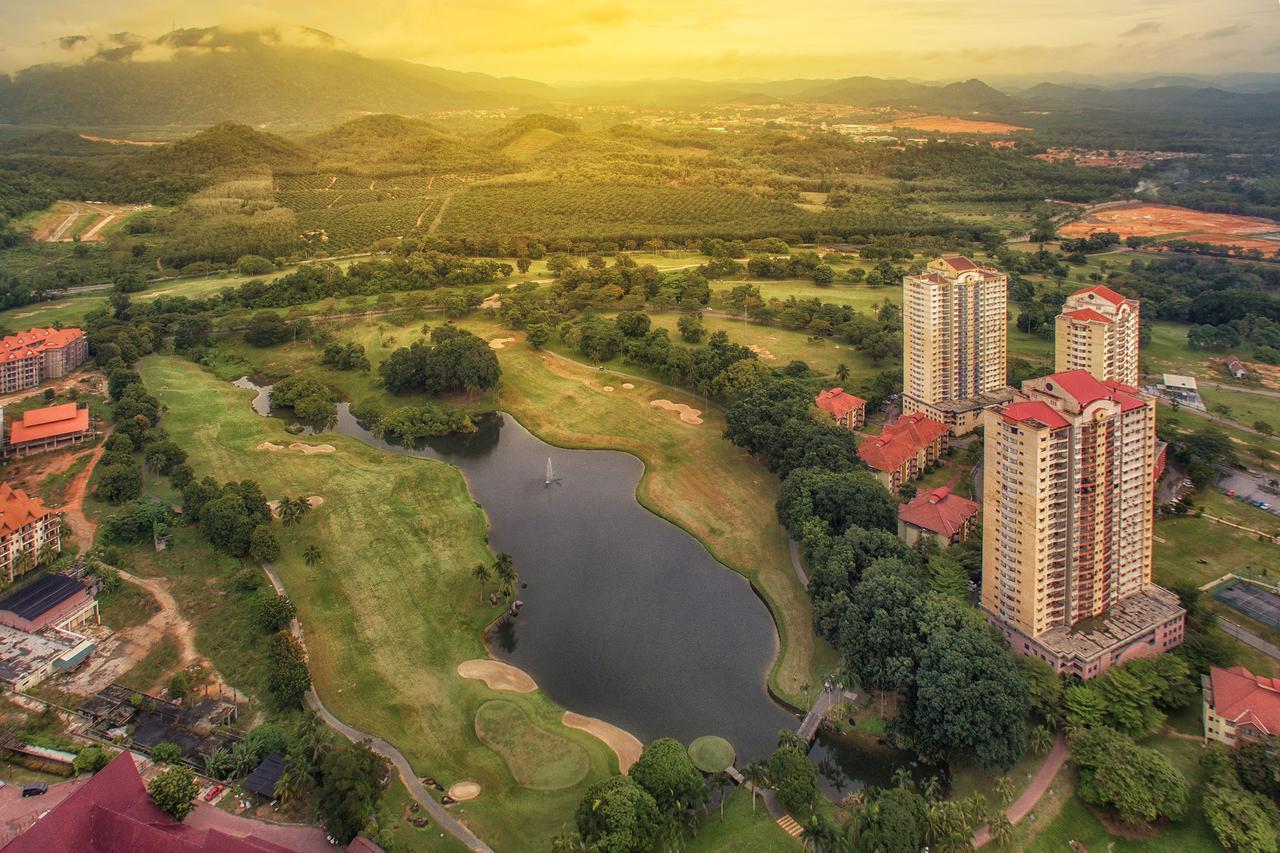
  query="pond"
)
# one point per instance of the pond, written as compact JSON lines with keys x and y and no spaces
{"x":626,"y":616}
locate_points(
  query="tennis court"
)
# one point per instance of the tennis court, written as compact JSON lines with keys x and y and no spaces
{"x":1251,"y":600}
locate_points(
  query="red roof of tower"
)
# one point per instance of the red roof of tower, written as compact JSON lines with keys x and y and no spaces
{"x":1086,"y":314}
{"x":1034,"y":410}
{"x":960,"y":263}
{"x":18,"y":509}
{"x":938,"y":510}
{"x":1103,"y":292}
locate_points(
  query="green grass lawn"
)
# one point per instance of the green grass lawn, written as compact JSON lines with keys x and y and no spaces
{"x":125,"y":607}
{"x":1243,"y":407}
{"x":391,"y":611}
{"x":739,"y":830}
{"x":863,"y":297}
{"x":161,"y":660}
{"x":1182,"y":542}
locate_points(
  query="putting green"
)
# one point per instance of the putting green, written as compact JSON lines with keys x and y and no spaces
{"x":537,"y":758}
{"x":711,"y":754}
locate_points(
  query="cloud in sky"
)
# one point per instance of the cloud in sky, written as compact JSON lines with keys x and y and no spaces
{"x":562,"y":40}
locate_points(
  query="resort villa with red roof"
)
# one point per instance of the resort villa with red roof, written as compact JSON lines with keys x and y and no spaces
{"x":849,"y":411}
{"x":38,"y":355}
{"x":48,"y":428}
{"x":1097,"y":332}
{"x":1068,"y":524}
{"x":900,"y":453}
{"x":938,"y":513}
{"x":1240,"y":707}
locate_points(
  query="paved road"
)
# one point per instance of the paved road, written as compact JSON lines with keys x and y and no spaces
{"x":417,"y":790}
{"x":299,"y":837}
{"x":1040,"y":783}
{"x":1261,"y":392}
{"x":797,"y":562}
{"x":1250,"y":639}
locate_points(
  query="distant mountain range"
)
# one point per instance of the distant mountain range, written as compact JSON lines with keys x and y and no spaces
{"x":215,"y":76}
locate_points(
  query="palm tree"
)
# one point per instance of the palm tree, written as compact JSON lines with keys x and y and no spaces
{"x":754,"y":773}
{"x":1004,"y":791}
{"x":505,"y":570}
{"x":1001,"y":829}
{"x":842,"y":371}
{"x":301,"y":506}
{"x":243,"y":758}
{"x":932,"y":788}
{"x":720,"y":781}
{"x":481,"y":573}
{"x":1041,"y":739}
{"x":902,"y":778}
{"x":819,"y":833}
{"x":293,"y":780}
{"x":312,"y":555}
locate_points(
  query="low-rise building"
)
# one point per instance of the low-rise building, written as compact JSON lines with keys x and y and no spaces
{"x":1145,"y":623}
{"x":937,"y":513}
{"x":27,"y":659}
{"x":37,"y":355}
{"x":49,"y":428}
{"x":28,"y":531}
{"x":1181,"y":389}
{"x":1235,"y":367}
{"x":963,"y":415}
{"x":848,"y":410}
{"x":52,"y":601}
{"x":1240,"y":707}
{"x":900,"y":453}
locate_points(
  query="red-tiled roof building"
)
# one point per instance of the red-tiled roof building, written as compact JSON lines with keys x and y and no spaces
{"x":939,"y":513}
{"x":48,"y":428}
{"x":1240,"y":707}
{"x":1235,"y":366}
{"x":36,"y":355}
{"x":849,"y":411}
{"x":28,"y":527}
{"x":111,"y":813}
{"x":900,"y":453}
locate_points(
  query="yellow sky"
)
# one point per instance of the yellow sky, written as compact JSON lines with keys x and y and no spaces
{"x":716,"y":39}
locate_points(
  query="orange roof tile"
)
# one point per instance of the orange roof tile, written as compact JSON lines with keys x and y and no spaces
{"x":1103,"y":292}
{"x":18,"y":509}
{"x":50,"y":422}
{"x":33,"y":341}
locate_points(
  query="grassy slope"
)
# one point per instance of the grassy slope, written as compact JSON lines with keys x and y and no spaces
{"x":392,"y":609}
{"x":739,"y":829}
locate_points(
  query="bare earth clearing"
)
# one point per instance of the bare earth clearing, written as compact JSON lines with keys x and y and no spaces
{"x":1160,"y":220}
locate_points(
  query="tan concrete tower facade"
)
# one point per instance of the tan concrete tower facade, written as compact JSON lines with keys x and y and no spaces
{"x":1097,"y":331}
{"x":955,"y":336}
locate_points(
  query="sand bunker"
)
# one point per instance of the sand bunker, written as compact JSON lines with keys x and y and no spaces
{"x":762,"y":352}
{"x":498,"y":675}
{"x":608,"y":387}
{"x":267,"y":445}
{"x":500,"y":343}
{"x":493,"y":301}
{"x":688,"y":414}
{"x":463,"y":791}
{"x":311,"y":448}
{"x":627,"y":385}
{"x":623,"y":743}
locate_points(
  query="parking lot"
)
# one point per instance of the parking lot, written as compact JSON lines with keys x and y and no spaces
{"x":1249,"y":486}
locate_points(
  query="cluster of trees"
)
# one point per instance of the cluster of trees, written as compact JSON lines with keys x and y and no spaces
{"x":309,"y":398}
{"x":407,"y":425}
{"x":878,"y":335}
{"x":898,"y":615}
{"x":454,"y":361}
{"x":136,"y":417}
{"x":1239,"y":806}
{"x":234,"y":517}
{"x":654,"y":805}
{"x":345,"y":357}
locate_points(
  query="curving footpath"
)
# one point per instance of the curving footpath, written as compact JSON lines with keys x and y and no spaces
{"x":417,"y":790}
{"x":1027,"y":800}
